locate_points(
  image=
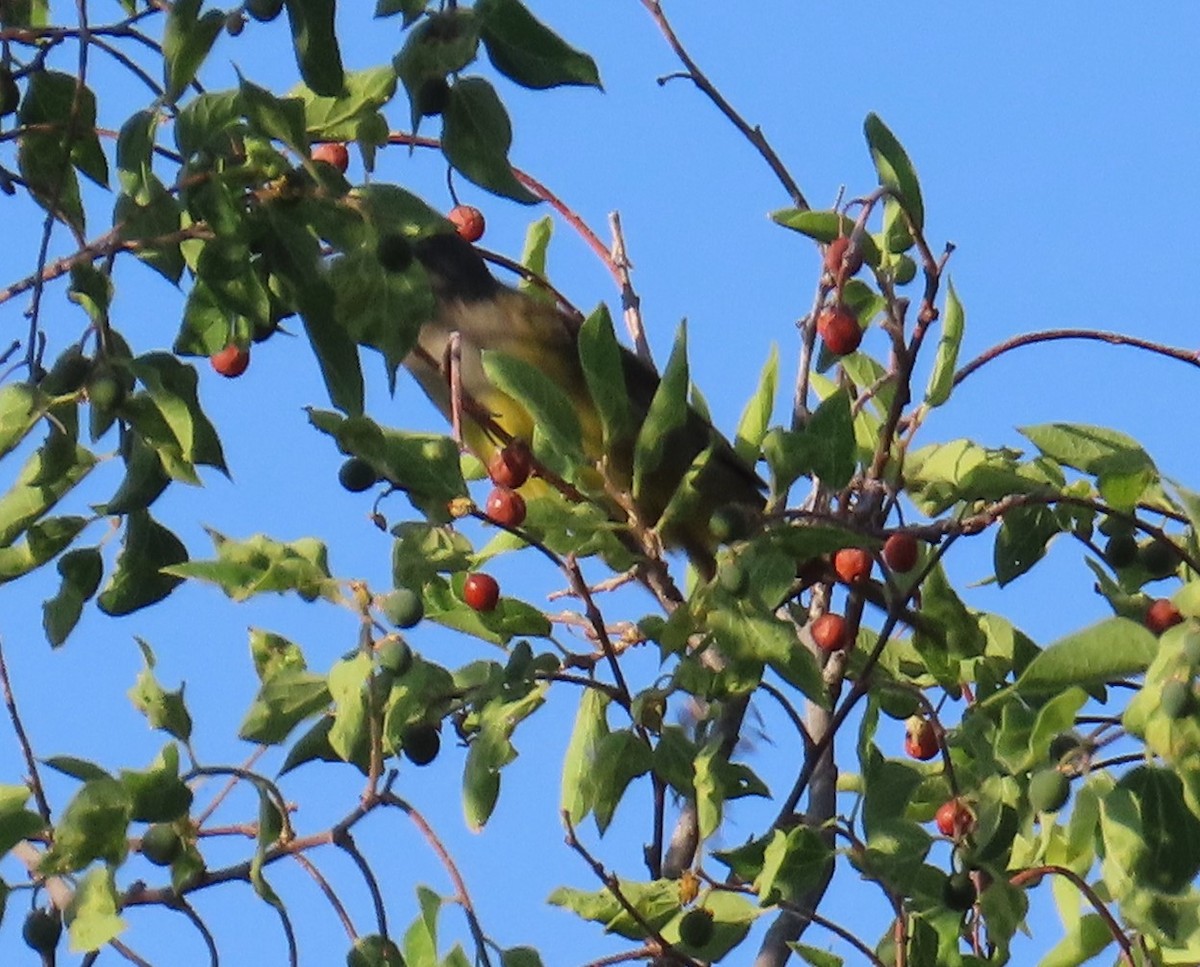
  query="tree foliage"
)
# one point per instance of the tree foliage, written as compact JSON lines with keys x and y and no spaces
{"x":1075,"y":761}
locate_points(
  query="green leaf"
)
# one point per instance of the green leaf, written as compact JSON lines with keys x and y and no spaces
{"x":600,"y":356}
{"x":476,"y":136}
{"x":33,"y":495}
{"x":16,"y":822}
{"x":278,"y":118}
{"x":525,"y":50}
{"x":262,"y":565}
{"x":45,"y":540}
{"x":165,"y":710}
{"x":551,"y":409}
{"x":442,"y":44}
{"x":793,"y":863}
{"x":1170,"y":859}
{"x":287,"y":698}
{"x":825,"y":226}
{"x":667,"y":413}
{"x":187,"y":40}
{"x":533,"y":257}
{"x":941,"y":380}
{"x":825,"y":448}
{"x":157,"y":794}
{"x":1084,"y":939}
{"x":171,"y":385}
{"x":92,"y":913}
{"x":148,"y":221}
{"x":1022,"y":539}
{"x":141,"y":577}
{"x":347,"y":683}
{"x":144,"y":481}
{"x":756,"y":417}
{"x":315,"y":42}
{"x":412,"y":9}
{"x":897,"y":173}
{"x":420,"y":940}
{"x":1110,"y":649}
{"x":1091,"y":449}
{"x":620,"y":758}
{"x":591,"y":726}
{"x":92,"y":827}
{"x":135,"y":156}
{"x":815,"y":957}
{"x":21,"y":406}
{"x":273,"y":653}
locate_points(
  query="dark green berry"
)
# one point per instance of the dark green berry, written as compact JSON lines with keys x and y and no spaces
{"x":161,"y":844}
{"x":105,"y":391}
{"x":421,"y":744}
{"x":356,"y":475}
{"x":1120,"y":551}
{"x":1048,"y":790}
{"x":68,"y":374}
{"x":958,"y":892}
{"x":733,"y":578}
{"x":696,"y":927}
{"x":729,"y":524}
{"x":41,"y":930}
{"x":1158,"y":557}
{"x":1063,"y":744}
{"x":394,"y":655}
{"x":264,"y":10}
{"x":394,"y":252}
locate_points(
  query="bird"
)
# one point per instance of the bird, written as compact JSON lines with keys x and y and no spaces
{"x":489,"y":315}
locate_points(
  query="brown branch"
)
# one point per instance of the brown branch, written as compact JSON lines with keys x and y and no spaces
{"x":613,"y":885}
{"x":387,"y":798}
{"x":1188,"y":356}
{"x":752,"y":134}
{"x":330,"y":894}
{"x":1034,"y":875}
{"x":35,"y":781}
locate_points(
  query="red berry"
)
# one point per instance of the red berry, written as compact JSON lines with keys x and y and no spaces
{"x":468,"y":222}
{"x":506,"y":507}
{"x":841,"y":260}
{"x":840,"y":330}
{"x":333,"y":153}
{"x":481,"y":592}
{"x":954,"y":819}
{"x":829,"y":632}
{"x":231,"y":361}
{"x":853,"y":564}
{"x":510,"y":467}
{"x":920,"y":740}
{"x":1161,"y":615}
{"x":900,"y":552}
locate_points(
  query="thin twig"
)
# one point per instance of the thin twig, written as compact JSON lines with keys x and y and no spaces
{"x":35,"y":781}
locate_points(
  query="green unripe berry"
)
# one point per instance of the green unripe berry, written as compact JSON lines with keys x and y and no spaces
{"x":1048,"y":790}
{"x":394,"y":655}
{"x":403,"y":607}
{"x":696,"y":927}
{"x":105,"y":391}
{"x":161,"y":844}
{"x":1158,"y":557}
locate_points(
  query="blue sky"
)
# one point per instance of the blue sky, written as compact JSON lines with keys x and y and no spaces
{"x":1056,"y":151}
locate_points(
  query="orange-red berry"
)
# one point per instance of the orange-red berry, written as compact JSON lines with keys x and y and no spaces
{"x":840,"y":331}
{"x":511,"y":466}
{"x":468,"y":222}
{"x":900,"y":552}
{"x":920,"y":739}
{"x":954,"y":819}
{"x":853,"y":564}
{"x":231,"y":361}
{"x":1161,"y":615}
{"x":829,"y":632}
{"x":506,"y":507}
{"x":333,"y":153}
{"x":841,"y":259}
{"x":481,"y":592}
